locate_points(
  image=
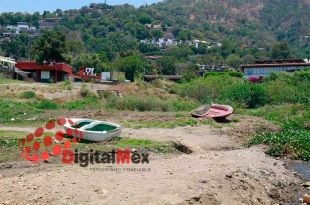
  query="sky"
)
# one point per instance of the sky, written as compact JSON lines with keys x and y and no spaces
{"x":31,"y":6}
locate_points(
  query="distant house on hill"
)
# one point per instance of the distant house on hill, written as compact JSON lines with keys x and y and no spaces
{"x":22,"y":26}
{"x":264,"y":68}
{"x":48,"y":23}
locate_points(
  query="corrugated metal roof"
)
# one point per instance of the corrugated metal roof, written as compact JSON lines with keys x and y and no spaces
{"x":274,"y":65}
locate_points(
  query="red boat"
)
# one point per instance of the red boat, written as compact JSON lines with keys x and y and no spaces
{"x":219,"y":111}
{"x":215,"y":111}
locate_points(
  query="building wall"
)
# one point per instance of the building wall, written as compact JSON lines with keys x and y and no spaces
{"x":265,"y":71}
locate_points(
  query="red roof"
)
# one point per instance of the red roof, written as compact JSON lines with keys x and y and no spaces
{"x":31,"y":65}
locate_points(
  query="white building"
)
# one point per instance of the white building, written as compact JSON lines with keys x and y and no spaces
{"x":22,"y":26}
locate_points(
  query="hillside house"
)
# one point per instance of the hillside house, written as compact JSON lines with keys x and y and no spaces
{"x":48,"y":23}
{"x":22,"y":26}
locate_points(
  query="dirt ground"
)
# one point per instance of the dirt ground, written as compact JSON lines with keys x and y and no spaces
{"x":218,"y":171}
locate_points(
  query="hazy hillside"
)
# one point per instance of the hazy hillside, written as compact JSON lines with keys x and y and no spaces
{"x":115,"y":30}
{"x":254,"y":21}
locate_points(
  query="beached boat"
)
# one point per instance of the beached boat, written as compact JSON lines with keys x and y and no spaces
{"x":92,"y":130}
{"x":213,"y":111}
{"x":200,"y":111}
{"x":219,"y":111}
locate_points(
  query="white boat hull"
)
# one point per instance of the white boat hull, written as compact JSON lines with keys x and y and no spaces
{"x":95,"y":136}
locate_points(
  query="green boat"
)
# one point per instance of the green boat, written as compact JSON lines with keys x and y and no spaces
{"x":92,"y":130}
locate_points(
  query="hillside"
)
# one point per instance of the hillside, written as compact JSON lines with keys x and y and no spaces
{"x":255,"y":22}
{"x":246,"y":28}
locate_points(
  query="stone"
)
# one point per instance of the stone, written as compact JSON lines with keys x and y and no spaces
{"x":229,"y":176}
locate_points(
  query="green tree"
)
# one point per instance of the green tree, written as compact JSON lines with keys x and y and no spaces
{"x":17,"y":47}
{"x":75,"y":47}
{"x":280,"y":51}
{"x":50,"y":46}
{"x":228,"y":47}
{"x":167,"y":65}
{"x":157,"y":33}
{"x":146,"y":48}
{"x":233,"y":60}
{"x":145,"y":19}
{"x":131,"y":65}
{"x":93,"y":60}
{"x":180,"y":52}
{"x":184,"y":35}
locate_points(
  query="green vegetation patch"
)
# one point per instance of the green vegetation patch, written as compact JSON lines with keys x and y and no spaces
{"x":14,"y":110}
{"x":286,"y":115}
{"x":150,"y":103}
{"x":46,"y":105}
{"x":9,"y":81}
{"x":289,"y":142}
{"x":28,"y":94}
{"x":9,"y":145}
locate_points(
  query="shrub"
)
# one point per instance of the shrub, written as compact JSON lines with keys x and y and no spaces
{"x":46,"y":105}
{"x":84,"y":91}
{"x":235,"y":74}
{"x":149,"y":103}
{"x":279,"y":92}
{"x":227,"y":73}
{"x":245,"y":94}
{"x":182,"y":105}
{"x":11,"y":109}
{"x":288,"y":88}
{"x":66,"y":85}
{"x":293,"y":142}
{"x":206,"y":89}
{"x":145,"y":103}
{"x":88,"y":101}
{"x":28,"y":94}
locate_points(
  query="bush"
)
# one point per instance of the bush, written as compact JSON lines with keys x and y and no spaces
{"x":247,"y":94}
{"x":279,"y":92}
{"x":206,"y":89}
{"x":292,"y":142}
{"x":28,"y":94}
{"x":66,"y":85}
{"x":228,"y":73}
{"x":46,"y":105}
{"x":84,"y":91}
{"x":149,"y":103}
{"x":11,"y":109}
{"x":235,"y":74}
{"x":145,"y":103}
{"x":88,"y":101}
